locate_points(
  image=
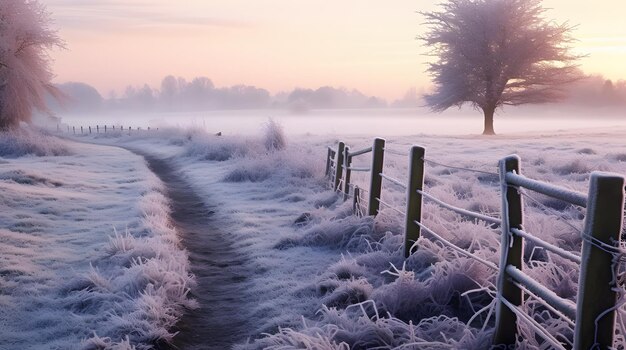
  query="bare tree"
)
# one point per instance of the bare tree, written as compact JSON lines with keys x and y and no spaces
{"x":492,"y":53}
{"x":25,"y":40}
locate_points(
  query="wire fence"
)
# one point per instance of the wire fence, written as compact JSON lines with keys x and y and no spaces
{"x":602,"y":259}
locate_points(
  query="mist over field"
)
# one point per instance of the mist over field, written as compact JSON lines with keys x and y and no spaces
{"x":376,"y":122}
{"x":591,"y":102}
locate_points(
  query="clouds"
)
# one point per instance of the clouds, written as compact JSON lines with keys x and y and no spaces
{"x":115,"y":15}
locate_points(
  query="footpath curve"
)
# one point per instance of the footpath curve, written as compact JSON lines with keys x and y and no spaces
{"x":220,"y":271}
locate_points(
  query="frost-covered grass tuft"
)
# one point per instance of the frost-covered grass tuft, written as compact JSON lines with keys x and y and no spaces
{"x":274,"y":137}
{"x":25,"y":141}
{"x":289,"y":165}
{"x":337,"y":233}
{"x":210,"y":147}
{"x":362,"y":326}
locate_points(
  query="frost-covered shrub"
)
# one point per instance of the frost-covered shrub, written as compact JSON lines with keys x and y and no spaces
{"x":274,"y":137}
{"x":25,"y":141}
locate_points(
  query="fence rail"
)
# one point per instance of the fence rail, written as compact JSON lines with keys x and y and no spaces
{"x":593,"y":314}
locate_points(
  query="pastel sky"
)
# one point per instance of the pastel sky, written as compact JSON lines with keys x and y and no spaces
{"x":281,"y":44}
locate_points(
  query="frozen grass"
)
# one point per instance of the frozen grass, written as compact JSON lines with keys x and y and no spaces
{"x":374,"y":297}
{"x":436,"y":284}
{"x":27,"y":141}
{"x":89,"y":259}
{"x":360,"y":327}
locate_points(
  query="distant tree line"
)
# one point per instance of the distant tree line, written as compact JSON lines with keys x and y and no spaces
{"x":178,"y":94}
{"x":598,"y":91}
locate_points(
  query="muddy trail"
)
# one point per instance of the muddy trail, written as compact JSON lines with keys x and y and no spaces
{"x":220,"y":271}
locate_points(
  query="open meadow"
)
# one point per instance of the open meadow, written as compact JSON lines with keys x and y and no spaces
{"x":310,"y":271}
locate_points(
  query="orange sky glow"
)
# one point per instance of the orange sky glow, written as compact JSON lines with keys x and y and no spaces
{"x":281,"y":44}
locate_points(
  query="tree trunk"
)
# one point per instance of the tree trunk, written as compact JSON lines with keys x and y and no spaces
{"x":489,"y":112}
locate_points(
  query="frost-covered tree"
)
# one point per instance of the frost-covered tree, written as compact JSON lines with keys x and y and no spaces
{"x":492,"y":53}
{"x":25,"y":40}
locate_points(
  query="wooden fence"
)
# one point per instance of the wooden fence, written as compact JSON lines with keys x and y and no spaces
{"x":100,"y":129}
{"x":592,"y":316}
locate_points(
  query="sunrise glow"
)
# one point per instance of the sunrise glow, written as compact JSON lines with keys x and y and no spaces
{"x":368,"y":45}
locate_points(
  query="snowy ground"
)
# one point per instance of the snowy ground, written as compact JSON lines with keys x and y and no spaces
{"x":332,"y":258}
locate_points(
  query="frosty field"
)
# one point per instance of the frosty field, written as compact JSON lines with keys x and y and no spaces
{"x":91,"y":257}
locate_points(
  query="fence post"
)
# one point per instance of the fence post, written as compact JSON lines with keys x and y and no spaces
{"x":595,"y":321}
{"x":89,"y":129}
{"x":327,"y":173}
{"x":81,"y":130}
{"x":129,"y":130}
{"x":356,"y":203}
{"x":97,"y":129}
{"x":511,"y":253}
{"x":347,"y":160}
{"x":376,"y":182}
{"x":339,"y":165}
{"x":74,"y":129}
{"x":414,"y":199}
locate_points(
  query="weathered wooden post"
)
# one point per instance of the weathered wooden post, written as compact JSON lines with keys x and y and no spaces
{"x":512,"y":248}
{"x":129,"y":130}
{"x":356,"y":201}
{"x":595,"y":321}
{"x":347,"y":160}
{"x":376,"y":182}
{"x":97,"y":129}
{"x":339,"y":165}
{"x":327,"y":173}
{"x":413,"y":198}
{"x":331,"y":171}
{"x":90,"y":130}
{"x":81,"y":130}
{"x":74,"y":129}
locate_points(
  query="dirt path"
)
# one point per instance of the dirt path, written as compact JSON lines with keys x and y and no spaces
{"x":221,"y":320}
